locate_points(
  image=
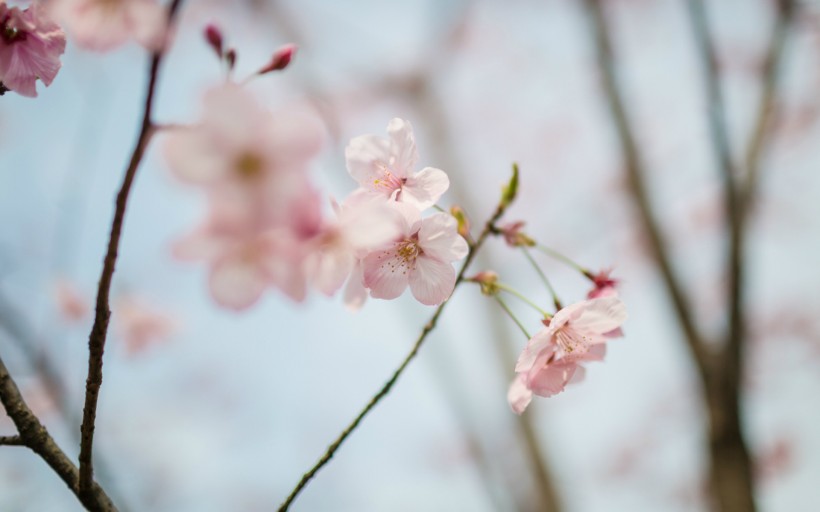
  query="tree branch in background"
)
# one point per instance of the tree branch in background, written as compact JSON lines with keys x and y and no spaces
{"x":385,"y":389}
{"x":34,"y":435}
{"x":635,"y":172}
{"x":99,"y":330}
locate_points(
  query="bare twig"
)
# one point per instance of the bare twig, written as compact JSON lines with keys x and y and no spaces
{"x":635,"y":176}
{"x":99,"y":330}
{"x":35,"y":436}
{"x":11,"y":441}
{"x":385,"y":389}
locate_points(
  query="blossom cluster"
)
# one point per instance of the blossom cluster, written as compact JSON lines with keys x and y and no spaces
{"x":266,"y":228}
{"x":576,"y":334}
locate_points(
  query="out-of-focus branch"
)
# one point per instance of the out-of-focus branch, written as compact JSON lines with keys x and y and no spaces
{"x":99,"y":330}
{"x":635,"y":174}
{"x":385,"y":389}
{"x":35,"y":436}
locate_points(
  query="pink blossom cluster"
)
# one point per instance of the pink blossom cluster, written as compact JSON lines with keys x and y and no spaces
{"x":30,"y":48}
{"x":553,"y":358}
{"x":266,"y":228}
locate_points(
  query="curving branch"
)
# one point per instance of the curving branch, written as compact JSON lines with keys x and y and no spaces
{"x":34,"y":436}
{"x":99,"y":330}
{"x":489,"y":227}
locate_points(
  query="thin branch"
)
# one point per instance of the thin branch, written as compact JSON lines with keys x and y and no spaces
{"x":11,"y":441}
{"x":22,"y":334}
{"x":385,"y":389}
{"x":635,"y":173}
{"x":35,"y":436}
{"x":99,"y":331}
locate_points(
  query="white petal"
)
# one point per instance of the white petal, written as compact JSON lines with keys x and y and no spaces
{"x":366,"y":157}
{"x":236,"y":283}
{"x":432,"y":281}
{"x":439,"y":238}
{"x":600,"y":316}
{"x":425,"y":188}
{"x":355,"y":291}
{"x":403,"y":146}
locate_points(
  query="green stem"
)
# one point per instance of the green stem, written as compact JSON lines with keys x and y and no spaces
{"x":543,"y":276}
{"x":560,"y":257}
{"x":509,"y":312}
{"x":513,"y":291}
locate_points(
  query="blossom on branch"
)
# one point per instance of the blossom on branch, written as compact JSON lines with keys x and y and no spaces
{"x":553,"y":357}
{"x":30,"y":48}
{"x":420,"y":257}
{"x":384,"y":167}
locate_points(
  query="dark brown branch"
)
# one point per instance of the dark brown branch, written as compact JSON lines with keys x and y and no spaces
{"x":635,"y":177}
{"x":11,"y":441}
{"x":99,"y":330}
{"x":35,"y":436}
{"x":385,"y":389}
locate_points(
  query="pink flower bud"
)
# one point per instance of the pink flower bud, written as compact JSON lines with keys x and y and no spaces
{"x":514,"y":235}
{"x":230,"y":58}
{"x":214,"y":38}
{"x":280,"y":59}
{"x":487,"y":279}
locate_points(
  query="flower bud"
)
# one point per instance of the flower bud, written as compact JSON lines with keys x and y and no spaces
{"x":463,"y":222}
{"x":487,"y":279}
{"x":280,"y":60}
{"x":514,"y":235}
{"x":214,"y":38}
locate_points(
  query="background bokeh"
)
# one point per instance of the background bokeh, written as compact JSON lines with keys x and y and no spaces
{"x":228,"y":410}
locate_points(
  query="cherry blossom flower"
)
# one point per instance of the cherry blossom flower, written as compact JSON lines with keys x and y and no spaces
{"x":103,"y":25}
{"x":384,"y":167}
{"x":420,"y":257}
{"x":553,"y":357}
{"x":359,"y":228}
{"x":30,"y":48}
{"x":140,"y":324}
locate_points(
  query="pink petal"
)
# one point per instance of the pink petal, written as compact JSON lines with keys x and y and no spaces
{"x":237,"y":283}
{"x":552,"y":379}
{"x":439,"y":238}
{"x":519,"y":395}
{"x":425,"y":188}
{"x":328,"y":269}
{"x":385,"y":273}
{"x":192,"y":156}
{"x":432,"y":281}
{"x":355,"y":291}
{"x":403,"y":146}
{"x":601,"y":315}
{"x":363,"y":156}
{"x":542,"y":341}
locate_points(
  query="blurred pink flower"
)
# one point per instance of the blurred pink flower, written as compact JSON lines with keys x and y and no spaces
{"x":552,"y":357}
{"x":246,"y":260}
{"x":384,"y":167}
{"x":140,"y":324}
{"x":103,"y":25}
{"x":70,"y":303}
{"x":253,"y":161}
{"x":30,"y":48}
{"x":421,"y":256}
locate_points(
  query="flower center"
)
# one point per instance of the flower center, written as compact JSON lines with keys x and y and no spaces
{"x":387,"y":181}
{"x":571,"y":341}
{"x":249,"y":165}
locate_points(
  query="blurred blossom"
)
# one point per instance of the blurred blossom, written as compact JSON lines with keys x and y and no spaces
{"x":103,"y":25}
{"x":384,"y":167}
{"x":140,"y":324}
{"x":70,"y":302}
{"x":30,"y":48}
